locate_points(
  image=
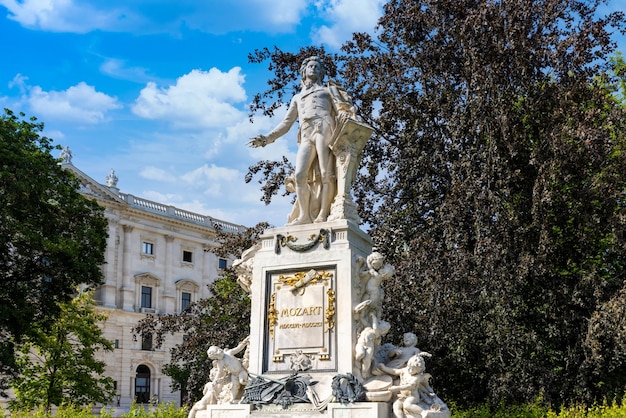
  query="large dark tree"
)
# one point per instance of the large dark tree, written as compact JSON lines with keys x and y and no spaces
{"x":51,"y":238}
{"x":495,"y":182}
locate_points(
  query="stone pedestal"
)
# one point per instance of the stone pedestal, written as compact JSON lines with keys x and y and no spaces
{"x":307,"y":288}
{"x":334,"y":410}
{"x":303,"y":294}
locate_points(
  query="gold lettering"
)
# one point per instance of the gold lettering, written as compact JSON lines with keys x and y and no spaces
{"x":289,"y":326}
{"x":299,"y":311}
{"x":311,"y":325}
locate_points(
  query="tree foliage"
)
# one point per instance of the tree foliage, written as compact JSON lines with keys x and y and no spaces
{"x":495,"y":182}
{"x":51,"y":237}
{"x":58,"y":366}
{"x":222,"y":320}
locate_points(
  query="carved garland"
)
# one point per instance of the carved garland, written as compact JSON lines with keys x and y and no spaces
{"x":286,"y":241}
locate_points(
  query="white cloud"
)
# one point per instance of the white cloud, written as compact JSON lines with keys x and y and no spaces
{"x":284,"y":11}
{"x":198,"y":100}
{"x":118,"y":69}
{"x":80,"y":103}
{"x":213,"y":179}
{"x":54,"y":134}
{"x":164,"y":198}
{"x":251,"y":15}
{"x":157,"y":174}
{"x":19,"y":81}
{"x":69,"y":16}
{"x":136,"y":16}
{"x":346,"y":17}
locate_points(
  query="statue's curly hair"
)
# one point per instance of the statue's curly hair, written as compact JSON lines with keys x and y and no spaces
{"x":313,"y":58}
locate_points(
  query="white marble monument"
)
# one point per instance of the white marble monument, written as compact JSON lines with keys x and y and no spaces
{"x":317,"y":344}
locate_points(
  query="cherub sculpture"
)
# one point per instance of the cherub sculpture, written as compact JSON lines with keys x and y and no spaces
{"x":372,"y":273}
{"x":413,"y":393}
{"x":244,"y":267}
{"x":230,"y":365}
{"x":369,"y":339}
{"x":398,"y":356}
{"x":211,"y":391}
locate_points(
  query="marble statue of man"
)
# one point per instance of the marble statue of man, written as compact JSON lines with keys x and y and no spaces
{"x":320,"y":110}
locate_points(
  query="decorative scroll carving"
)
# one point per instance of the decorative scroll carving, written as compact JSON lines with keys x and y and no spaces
{"x":330,"y":311}
{"x":272,"y":314}
{"x":300,"y":280}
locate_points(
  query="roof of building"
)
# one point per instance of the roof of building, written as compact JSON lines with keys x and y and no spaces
{"x":112,"y":194}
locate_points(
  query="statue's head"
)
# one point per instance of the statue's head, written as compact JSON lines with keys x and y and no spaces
{"x":215,"y":352}
{"x":409,"y":339}
{"x":384,"y":327}
{"x":320,"y":69}
{"x":375,"y":260}
{"x":416,"y":364}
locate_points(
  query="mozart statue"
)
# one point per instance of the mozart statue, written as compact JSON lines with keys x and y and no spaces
{"x":322,"y":110}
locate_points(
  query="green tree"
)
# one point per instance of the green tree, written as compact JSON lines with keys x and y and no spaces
{"x":51,"y":237}
{"x":495,"y":184}
{"x":59,"y":366}
{"x":223,"y":320}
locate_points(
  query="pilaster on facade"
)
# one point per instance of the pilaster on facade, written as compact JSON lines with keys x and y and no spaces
{"x":127,"y":289}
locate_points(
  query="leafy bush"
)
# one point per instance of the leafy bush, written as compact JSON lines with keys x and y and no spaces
{"x":162,"y":410}
{"x":536,"y":409}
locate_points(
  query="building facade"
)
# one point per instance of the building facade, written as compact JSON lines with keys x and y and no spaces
{"x":158,"y":261}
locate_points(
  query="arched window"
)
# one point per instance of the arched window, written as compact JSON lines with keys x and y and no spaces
{"x":142,"y":384}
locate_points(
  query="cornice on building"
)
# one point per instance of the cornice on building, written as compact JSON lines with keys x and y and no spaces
{"x":112,"y":196}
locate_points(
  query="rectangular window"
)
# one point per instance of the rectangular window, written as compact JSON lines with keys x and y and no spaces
{"x":146,"y":297}
{"x":221,"y":264}
{"x":116,"y":344}
{"x":185,"y":300}
{"x":146,"y":342}
{"x":147,"y":248}
{"x":187,"y":256}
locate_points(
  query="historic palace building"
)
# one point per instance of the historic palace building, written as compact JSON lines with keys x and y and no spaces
{"x":158,"y":261}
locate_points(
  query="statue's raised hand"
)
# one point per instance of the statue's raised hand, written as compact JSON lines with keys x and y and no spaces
{"x":258,"y":141}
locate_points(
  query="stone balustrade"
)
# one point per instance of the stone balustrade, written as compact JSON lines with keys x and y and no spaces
{"x":176,"y":213}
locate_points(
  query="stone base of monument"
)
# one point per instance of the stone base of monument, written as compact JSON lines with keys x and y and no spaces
{"x":333,"y":410}
{"x":316,"y":310}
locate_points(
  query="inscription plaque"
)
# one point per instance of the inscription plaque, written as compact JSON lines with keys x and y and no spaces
{"x":301,"y":317}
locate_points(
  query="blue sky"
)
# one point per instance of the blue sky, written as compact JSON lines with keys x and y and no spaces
{"x":159,"y":90}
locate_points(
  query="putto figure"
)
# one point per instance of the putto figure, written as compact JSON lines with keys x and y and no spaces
{"x":229,"y":365}
{"x":414,"y":395}
{"x":321,"y":109}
